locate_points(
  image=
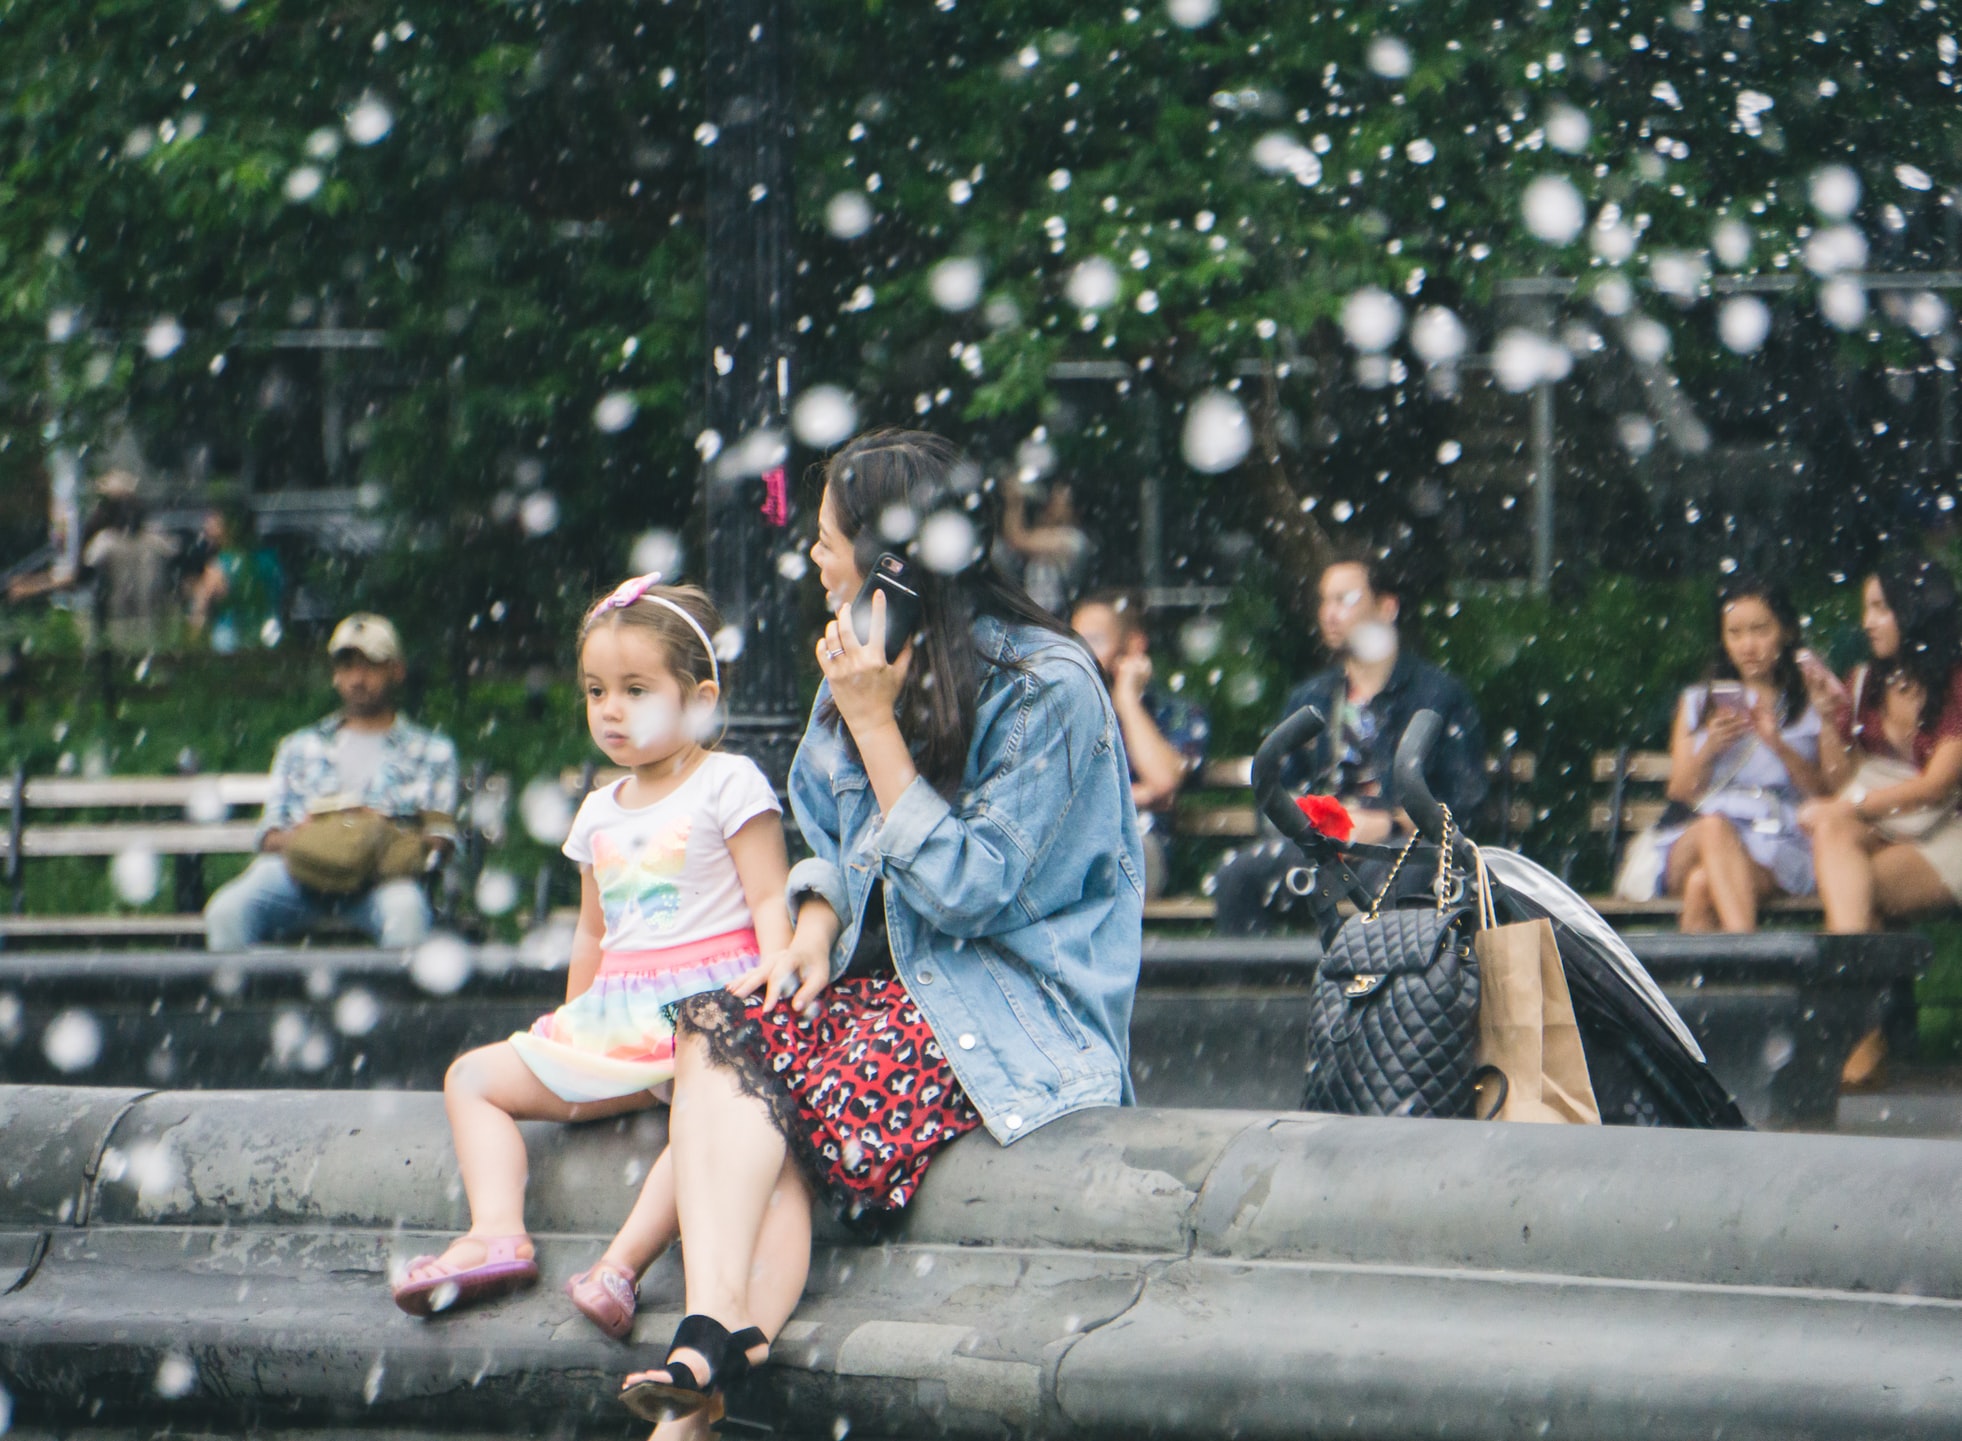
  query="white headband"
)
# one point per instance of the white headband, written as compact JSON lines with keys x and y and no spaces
{"x":630,"y":591}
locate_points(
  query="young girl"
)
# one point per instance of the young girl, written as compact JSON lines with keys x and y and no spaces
{"x":682,"y":868}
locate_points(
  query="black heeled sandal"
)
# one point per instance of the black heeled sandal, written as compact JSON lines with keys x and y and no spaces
{"x":727,"y":1354}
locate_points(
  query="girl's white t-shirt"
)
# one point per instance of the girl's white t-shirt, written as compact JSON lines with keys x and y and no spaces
{"x":664,"y":871}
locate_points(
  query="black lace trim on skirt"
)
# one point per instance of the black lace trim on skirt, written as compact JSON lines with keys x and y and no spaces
{"x":723,"y":1022}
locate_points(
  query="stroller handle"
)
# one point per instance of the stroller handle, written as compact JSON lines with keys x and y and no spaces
{"x":1419,"y":740}
{"x":1279,"y":807}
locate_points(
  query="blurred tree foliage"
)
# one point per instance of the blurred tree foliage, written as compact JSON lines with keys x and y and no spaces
{"x":512,"y":195}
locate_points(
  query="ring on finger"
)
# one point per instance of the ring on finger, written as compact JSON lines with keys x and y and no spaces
{"x":833,"y":654}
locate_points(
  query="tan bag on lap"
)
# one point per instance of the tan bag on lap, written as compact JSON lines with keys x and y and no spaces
{"x":341,"y":852}
{"x":1526,"y":1027}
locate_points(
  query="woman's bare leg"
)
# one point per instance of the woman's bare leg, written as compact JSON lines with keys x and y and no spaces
{"x":1842,"y":859}
{"x":1905,"y":884}
{"x":1699,"y":913}
{"x":1737,"y":883}
{"x":730,"y":1166}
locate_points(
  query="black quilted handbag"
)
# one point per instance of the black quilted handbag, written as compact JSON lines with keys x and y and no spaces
{"x":1393,"y":1022}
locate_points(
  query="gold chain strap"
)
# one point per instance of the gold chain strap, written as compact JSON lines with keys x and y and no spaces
{"x":1443,"y":868}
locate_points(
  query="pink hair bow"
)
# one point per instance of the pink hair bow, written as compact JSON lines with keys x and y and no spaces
{"x":628,"y":591}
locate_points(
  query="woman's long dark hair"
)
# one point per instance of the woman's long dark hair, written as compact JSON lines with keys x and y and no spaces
{"x":921,"y":480}
{"x":1785,"y":674}
{"x":1922,"y":595}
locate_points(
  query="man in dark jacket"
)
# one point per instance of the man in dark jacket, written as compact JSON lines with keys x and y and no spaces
{"x":1368,"y":697}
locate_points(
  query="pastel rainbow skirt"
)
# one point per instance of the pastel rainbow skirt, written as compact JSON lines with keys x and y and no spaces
{"x":617,"y":1037}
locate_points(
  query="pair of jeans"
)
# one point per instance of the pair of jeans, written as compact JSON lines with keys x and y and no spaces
{"x":266,"y":904}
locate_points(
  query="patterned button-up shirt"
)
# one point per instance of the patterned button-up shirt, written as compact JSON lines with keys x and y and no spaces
{"x":417,"y":774}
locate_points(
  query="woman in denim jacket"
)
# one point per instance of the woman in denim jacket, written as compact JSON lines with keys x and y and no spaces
{"x":967,"y":927}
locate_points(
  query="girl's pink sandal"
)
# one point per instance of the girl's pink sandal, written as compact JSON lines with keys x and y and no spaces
{"x":430,"y":1286}
{"x":605,"y":1294}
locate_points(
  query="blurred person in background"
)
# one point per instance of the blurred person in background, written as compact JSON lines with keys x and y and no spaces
{"x":132,"y":565}
{"x":1743,"y":757}
{"x":1887,"y":842}
{"x":1052,"y":549}
{"x":368,"y":759}
{"x":1165,"y":738}
{"x":1368,"y":696}
{"x":236,"y":586}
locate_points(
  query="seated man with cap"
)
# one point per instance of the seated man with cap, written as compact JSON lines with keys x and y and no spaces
{"x":332,"y":784}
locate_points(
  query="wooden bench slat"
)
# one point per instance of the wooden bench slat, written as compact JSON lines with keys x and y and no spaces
{"x":1636,"y":815}
{"x":1218,"y":822}
{"x":1179,"y":908}
{"x":72,"y":793}
{"x":1644,"y":767}
{"x":104,"y":927}
{"x":1227,"y":773}
{"x":167,"y":838}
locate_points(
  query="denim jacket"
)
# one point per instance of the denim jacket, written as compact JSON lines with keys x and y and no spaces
{"x":1015,"y":914}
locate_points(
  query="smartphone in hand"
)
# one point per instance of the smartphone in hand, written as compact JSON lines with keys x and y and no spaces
{"x":1820,"y":677}
{"x":894,"y":578}
{"x":1728,"y":695}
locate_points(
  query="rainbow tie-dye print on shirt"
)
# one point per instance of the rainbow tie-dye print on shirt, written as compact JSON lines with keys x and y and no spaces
{"x":641,"y":890}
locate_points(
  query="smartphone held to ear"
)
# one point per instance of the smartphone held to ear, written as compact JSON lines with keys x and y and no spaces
{"x":893,"y":578}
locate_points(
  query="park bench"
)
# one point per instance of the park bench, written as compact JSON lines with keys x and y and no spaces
{"x":1218,"y":805}
{"x":212,"y":1265}
{"x":1634,"y":801}
{"x":184,"y":818}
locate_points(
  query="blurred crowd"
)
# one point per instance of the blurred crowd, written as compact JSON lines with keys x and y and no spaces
{"x":136,"y":585}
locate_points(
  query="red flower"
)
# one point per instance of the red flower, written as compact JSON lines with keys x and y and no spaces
{"x":1325,"y":814}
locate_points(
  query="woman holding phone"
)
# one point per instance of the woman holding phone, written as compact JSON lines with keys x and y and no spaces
{"x":1887,"y":843}
{"x":1744,"y":756}
{"x":967,"y":929}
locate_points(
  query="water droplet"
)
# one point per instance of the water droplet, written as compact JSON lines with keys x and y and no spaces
{"x":1731,"y":240}
{"x":615,"y":412}
{"x":1743,"y":323}
{"x":1553,"y":209}
{"x":538,"y":513}
{"x":1843,"y":303}
{"x":1217,"y":434}
{"x":848,"y":215}
{"x":163,"y":337}
{"x":1449,"y":452}
{"x":1568,"y":129}
{"x":947,"y":542}
{"x":1437,"y":335}
{"x":1835,"y":191}
{"x":177,"y":1376}
{"x":497,"y":892}
{"x":657,"y":553}
{"x":135,"y":874}
{"x":72,"y":1041}
{"x":369,"y":121}
{"x":1914,"y":177}
{"x":323,"y":144}
{"x":824,"y":416}
{"x":1191,"y":14}
{"x":440,"y":965}
{"x":1834,"y":249}
{"x":955,"y":283}
{"x":545,"y":811}
{"x":1388,"y":57}
{"x":1647,"y":339}
{"x":1093,"y":285}
{"x":302,"y":183}
{"x":1372,"y":319}
{"x":357,"y":1012}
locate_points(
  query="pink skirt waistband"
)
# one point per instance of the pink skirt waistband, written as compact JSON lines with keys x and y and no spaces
{"x":673,"y":958}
